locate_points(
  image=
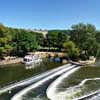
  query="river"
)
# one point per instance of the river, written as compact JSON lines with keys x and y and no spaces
{"x":12,"y":74}
{"x":68,"y":82}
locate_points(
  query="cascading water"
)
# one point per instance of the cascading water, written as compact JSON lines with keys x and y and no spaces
{"x":95,"y":97}
{"x":75,"y":87}
{"x":51,"y":91}
{"x":19,"y":96}
{"x":12,"y":89}
{"x":71,"y":83}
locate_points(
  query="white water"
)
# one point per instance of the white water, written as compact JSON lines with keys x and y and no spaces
{"x":19,"y":95}
{"x":81,"y":84}
{"x":96,"y":97}
{"x":51,"y":91}
{"x":91,"y":94}
{"x":53,"y":95}
{"x":89,"y":79}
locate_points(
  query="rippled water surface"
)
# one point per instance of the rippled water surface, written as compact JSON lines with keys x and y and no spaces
{"x":16,"y":72}
{"x":70,"y":86}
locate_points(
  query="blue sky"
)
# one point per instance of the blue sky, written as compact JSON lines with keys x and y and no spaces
{"x":49,"y":14}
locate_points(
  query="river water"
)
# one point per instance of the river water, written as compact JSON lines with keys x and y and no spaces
{"x":95,"y":97}
{"x":80,"y":84}
{"x":13,"y":73}
{"x":76,"y":84}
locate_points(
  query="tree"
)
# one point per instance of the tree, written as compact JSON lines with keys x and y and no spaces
{"x":71,"y":49}
{"x":40,"y":39}
{"x":5,"y":40}
{"x":24,"y":41}
{"x":56,"y":39}
{"x":84,"y":36}
{"x":98,"y":36}
{"x":98,"y":43}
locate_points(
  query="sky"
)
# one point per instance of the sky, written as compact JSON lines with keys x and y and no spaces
{"x":49,"y":14}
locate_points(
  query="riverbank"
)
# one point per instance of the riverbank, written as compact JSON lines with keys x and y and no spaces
{"x":91,"y":60}
{"x":16,"y":60}
{"x":11,"y":60}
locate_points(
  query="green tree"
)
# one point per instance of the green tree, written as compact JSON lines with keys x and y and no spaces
{"x":84,"y":36}
{"x":56,"y":39}
{"x":24,"y":41}
{"x":5,"y":40}
{"x":71,"y":49}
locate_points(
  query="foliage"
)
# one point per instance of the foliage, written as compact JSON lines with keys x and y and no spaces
{"x":24,"y":41}
{"x":5,"y":40}
{"x":84,"y":36}
{"x":71,"y":49}
{"x":81,"y":39}
{"x":56,"y":39}
{"x":18,"y":41}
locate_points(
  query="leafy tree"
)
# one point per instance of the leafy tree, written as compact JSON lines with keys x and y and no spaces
{"x":71,"y":49}
{"x":84,"y":36}
{"x":24,"y":41}
{"x":56,"y":39}
{"x":5,"y":39}
{"x":98,"y":36}
{"x":40,"y":39}
{"x":98,"y":43}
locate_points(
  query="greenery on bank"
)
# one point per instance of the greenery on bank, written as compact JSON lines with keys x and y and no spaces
{"x":80,"y":41}
{"x":17,"y":41}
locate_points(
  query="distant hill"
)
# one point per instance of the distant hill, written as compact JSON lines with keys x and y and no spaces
{"x":64,"y":31}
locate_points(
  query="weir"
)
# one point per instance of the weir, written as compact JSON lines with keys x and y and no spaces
{"x":51,"y":91}
{"x":19,"y":95}
{"x":89,"y":95}
{"x":94,"y":97}
{"x":53,"y":95}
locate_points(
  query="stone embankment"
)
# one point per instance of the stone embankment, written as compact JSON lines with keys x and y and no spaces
{"x":10,"y":60}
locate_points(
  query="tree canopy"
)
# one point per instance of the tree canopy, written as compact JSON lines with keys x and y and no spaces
{"x":56,"y":39}
{"x":71,"y":49}
{"x":18,"y":41}
{"x":81,"y":39}
{"x":85,"y":37}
